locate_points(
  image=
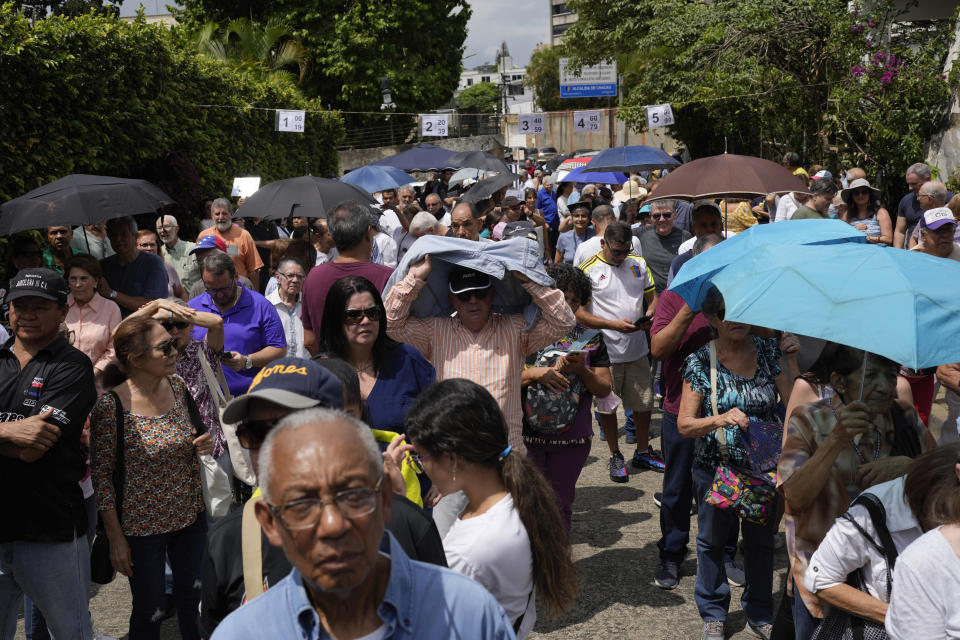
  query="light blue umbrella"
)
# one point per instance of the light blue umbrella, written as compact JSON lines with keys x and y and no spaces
{"x":693,"y":280}
{"x":903,"y":305}
{"x":605,"y":177}
{"x":633,"y":158}
{"x":373,"y":178}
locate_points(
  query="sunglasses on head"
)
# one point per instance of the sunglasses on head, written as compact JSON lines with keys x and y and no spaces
{"x":465,"y":296}
{"x":355,"y":316}
{"x":170,"y":325}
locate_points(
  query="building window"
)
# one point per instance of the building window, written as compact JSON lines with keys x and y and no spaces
{"x":560,"y":8}
{"x":516,"y":76}
{"x":560,"y":29}
{"x":514,"y":90}
{"x":469,"y":82}
{"x":484,"y":78}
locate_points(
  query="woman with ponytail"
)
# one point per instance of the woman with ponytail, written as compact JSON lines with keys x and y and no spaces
{"x":510,"y":537}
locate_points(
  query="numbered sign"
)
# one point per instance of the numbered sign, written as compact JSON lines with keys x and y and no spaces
{"x":291,"y":120}
{"x":659,"y":115}
{"x":433,"y":124}
{"x":531,"y":124}
{"x":586,"y":120}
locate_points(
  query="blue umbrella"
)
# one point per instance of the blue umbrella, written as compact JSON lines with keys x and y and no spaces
{"x":899,"y":304}
{"x":373,"y":178}
{"x":693,"y":280}
{"x":424,"y":157}
{"x":579,"y":175}
{"x":633,"y":159}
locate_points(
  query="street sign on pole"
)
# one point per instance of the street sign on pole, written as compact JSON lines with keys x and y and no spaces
{"x":598,"y":81}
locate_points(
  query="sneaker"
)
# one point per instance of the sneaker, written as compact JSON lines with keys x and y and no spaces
{"x":658,"y":499}
{"x":712,"y":630}
{"x":668,"y":575}
{"x":735,"y":575}
{"x":648,"y":460}
{"x":618,"y":468}
{"x":631,"y":437}
{"x":762,"y":631}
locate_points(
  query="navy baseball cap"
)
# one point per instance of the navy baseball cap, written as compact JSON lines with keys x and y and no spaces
{"x":38,"y":282}
{"x":294,"y":383}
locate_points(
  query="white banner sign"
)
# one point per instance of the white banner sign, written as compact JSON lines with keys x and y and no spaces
{"x":659,"y":115}
{"x":531,"y":124}
{"x":290,"y":120}
{"x":245,"y":187}
{"x":433,"y":124}
{"x":586,"y":120}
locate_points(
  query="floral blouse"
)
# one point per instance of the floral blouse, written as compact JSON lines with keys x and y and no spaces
{"x":188,"y":368}
{"x":161,"y":491}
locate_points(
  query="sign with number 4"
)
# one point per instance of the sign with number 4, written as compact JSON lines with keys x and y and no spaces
{"x":432,"y":124}
{"x":531,"y":124}
{"x":586,"y":120}
{"x":290,"y":120}
{"x":659,"y":115}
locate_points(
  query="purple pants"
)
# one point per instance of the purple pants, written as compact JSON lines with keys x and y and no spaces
{"x":561,"y":466}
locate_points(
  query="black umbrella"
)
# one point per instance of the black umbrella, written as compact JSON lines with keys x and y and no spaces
{"x":478,"y":160}
{"x":80,"y":199}
{"x":306,"y":196}
{"x":489,"y":186}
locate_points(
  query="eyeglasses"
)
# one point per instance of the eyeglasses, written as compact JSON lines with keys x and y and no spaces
{"x":659,"y":216}
{"x":924,"y":195}
{"x":166,"y":348}
{"x":305,"y":513}
{"x":417,"y":459}
{"x":252,"y":433}
{"x":293,"y":276}
{"x":479,"y":294}
{"x":170,"y":325}
{"x":356,"y":316}
{"x":221,"y":291}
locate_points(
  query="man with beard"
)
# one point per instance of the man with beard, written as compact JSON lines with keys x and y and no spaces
{"x":240,"y":244}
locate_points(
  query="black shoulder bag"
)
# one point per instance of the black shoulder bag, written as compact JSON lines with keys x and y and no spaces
{"x":101,"y":569}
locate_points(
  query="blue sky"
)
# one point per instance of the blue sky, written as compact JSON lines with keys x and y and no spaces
{"x":522,"y":23}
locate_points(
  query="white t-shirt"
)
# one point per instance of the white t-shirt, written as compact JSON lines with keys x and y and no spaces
{"x":389,"y":223}
{"x":494,"y":550}
{"x":687,"y":245}
{"x":785,"y":208}
{"x":926,"y":590}
{"x":591,"y":247}
{"x":618,"y":293}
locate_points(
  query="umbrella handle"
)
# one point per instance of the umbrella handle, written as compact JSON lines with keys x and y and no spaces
{"x":863,"y":373}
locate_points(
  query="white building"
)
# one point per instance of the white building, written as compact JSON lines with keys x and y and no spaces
{"x":561,"y":17}
{"x":154,"y":10}
{"x":507,"y":76}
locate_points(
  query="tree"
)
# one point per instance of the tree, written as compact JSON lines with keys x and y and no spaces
{"x":543,"y":76}
{"x":480,"y":98}
{"x":841,"y":84}
{"x":266,"y":52}
{"x":417,"y":44}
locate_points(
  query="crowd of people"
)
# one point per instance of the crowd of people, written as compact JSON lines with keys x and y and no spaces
{"x":431,"y":368}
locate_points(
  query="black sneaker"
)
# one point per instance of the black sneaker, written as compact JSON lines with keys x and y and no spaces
{"x":657,"y":499}
{"x":618,"y":468}
{"x":668,"y":575}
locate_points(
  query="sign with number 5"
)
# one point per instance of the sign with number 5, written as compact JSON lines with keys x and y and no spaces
{"x":659,"y":115}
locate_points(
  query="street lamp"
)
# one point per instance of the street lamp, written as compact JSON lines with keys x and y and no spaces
{"x":387,"y":104}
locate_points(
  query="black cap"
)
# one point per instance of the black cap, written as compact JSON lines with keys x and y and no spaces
{"x":463,"y":279}
{"x":519,"y":229}
{"x":39,"y":282}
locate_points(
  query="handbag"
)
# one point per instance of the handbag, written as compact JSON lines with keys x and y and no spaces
{"x":101,"y":569}
{"x":551,"y":412}
{"x":239,"y":457}
{"x":763,"y":442}
{"x":214,"y":481}
{"x":842,"y":625}
{"x":752,"y":495}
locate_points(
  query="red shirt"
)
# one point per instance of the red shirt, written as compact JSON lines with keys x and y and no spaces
{"x":696,"y":335}
{"x":320,"y":279}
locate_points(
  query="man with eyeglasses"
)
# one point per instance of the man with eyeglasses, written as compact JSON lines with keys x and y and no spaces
{"x":622,"y":306}
{"x":932,"y":195}
{"x":253,"y":333}
{"x":286,"y":300}
{"x":434,"y":205}
{"x":177,"y":251}
{"x":287,"y":386}
{"x":660,"y":242}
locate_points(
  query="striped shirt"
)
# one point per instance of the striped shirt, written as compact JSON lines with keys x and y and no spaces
{"x":493,"y":357}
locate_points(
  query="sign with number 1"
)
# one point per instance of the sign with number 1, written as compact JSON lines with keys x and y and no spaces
{"x":433,"y":124}
{"x":290,"y":120}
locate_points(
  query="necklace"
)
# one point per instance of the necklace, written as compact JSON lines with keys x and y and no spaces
{"x":364,"y":366}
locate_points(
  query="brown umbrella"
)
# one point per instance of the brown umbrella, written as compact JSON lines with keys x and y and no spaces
{"x":727,"y":176}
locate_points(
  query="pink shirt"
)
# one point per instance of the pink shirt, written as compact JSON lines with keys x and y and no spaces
{"x":92,"y":325}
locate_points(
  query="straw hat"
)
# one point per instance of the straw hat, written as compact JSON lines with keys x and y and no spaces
{"x":847,"y":194}
{"x":629,"y":191}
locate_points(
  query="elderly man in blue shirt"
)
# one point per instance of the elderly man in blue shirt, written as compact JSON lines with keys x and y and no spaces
{"x":326,"y":500}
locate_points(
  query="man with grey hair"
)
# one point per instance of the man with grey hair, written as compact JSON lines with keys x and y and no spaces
{"x":253,"y":333}
{"x":660,"y":242}
{"x":434,"y":205}
{"x":932,"y":195}
{"x":290,"y":275}
{"x":240,"y":244}
{"x":131,"y":277}
{"x":326,"y":503}
{"x":466,"y":222}
{"x":177,"y":251}
{"x":351,"y":226}
{"x":422,"y":224}
{"x":909,"y":210}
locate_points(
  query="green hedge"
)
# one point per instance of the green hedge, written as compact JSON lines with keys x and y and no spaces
{"x":94,"y":94}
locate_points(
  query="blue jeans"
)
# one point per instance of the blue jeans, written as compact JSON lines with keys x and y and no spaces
{"x":185,"y":548}
{"x":55,"y":576}
{"x":804,"y":624}
{"x":628,"y":426}
{"x":712,"y":593}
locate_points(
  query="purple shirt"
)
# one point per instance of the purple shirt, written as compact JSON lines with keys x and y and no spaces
{"x":321,"y":277}
{"x":248,"y":326}
{"x":696,"y":335}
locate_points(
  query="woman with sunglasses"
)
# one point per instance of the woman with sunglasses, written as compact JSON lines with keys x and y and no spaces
{"x":160,"y":499}
{"x":865,"y":212}
{"x":392,"y":374}
{"x":90,"y":317}
{"x":178,"y":319}
{"x":510,"y":537}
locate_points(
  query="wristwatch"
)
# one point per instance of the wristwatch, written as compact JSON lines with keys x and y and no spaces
{"x":248,"y":363}
{"x":113,"y":294}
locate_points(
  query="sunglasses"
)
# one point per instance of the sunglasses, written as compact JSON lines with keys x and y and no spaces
{"x":661,"y":216}
{"x":861,"y":192}
{"x":166,"y":348}
{"x":479,"y":294}
{"x":355,"y":316}
{"x":418,"y":459}
{"x":170,"y":325}
{"x":252,"y":433}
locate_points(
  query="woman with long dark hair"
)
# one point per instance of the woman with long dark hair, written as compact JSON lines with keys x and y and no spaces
{"x":510,"y":537}
{"x":392,"y":374}
{"x":865,"y":212}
